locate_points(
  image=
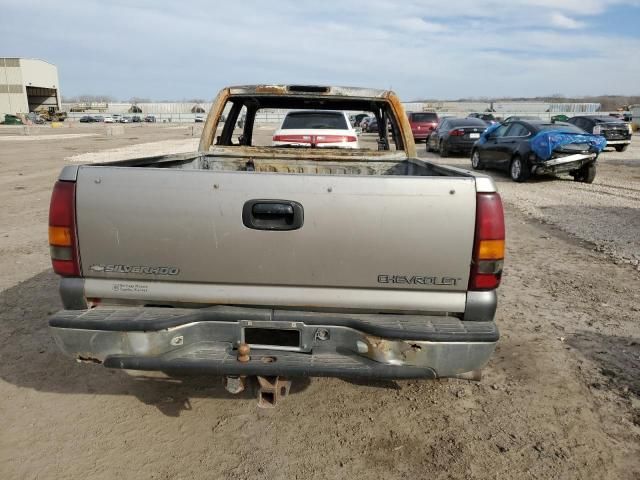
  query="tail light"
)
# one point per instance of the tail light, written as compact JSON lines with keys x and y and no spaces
{"x":597,"y":130}
{"x":457,"y":132}
{"x":63,"y":243}
{"x":488,"y":248}
{"x":335,"y":138}
{"x":292,"y":138}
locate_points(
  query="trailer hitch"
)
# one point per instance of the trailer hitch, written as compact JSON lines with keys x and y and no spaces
{"x":271,"y":390}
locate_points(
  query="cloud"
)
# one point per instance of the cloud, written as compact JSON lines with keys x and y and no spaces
{"x":562,"y":21}
{"x":415,"y":24}
{"x":164,"y":50}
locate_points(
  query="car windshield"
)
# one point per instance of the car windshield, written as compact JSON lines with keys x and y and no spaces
{"x":424,"y":117}
{"x":608,"y":120}
{"x":315,"y":120}
{"x":467,"y":122}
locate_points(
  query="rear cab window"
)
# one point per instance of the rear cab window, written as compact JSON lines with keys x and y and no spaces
{"x":424,"y":117}
{"x":564,"y":127}
{"x":315,"y":120}
{"x":256,"y":121}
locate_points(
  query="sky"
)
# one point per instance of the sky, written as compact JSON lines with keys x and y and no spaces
{"x":163,"y":49}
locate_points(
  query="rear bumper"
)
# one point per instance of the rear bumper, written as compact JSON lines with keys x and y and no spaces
{"x":336,"y":345}
{"x":421,"y":135}
{"x":564,"y":164}
{"x":461,"y":145}
{"x":618,"y":142}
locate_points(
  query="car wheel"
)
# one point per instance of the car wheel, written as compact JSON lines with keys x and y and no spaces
{"x":518,"y":170}
{"x":621,"y":148}
{"x":586,"y":174}
{"x":476,"y":163}
{"x":428,"y":145}
{"x":444,"y":151}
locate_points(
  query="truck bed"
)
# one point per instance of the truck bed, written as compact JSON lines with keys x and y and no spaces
{"x":293,"y":163}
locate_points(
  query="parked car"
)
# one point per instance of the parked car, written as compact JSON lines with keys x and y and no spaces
{"x":199,"y":119}
{"x":150,"y":119}
{"x":422,"y":124}
{"x":116,"y":117}
{"x":358,"y":118}
{"x":455,"y":135}
{"x":125,"y":119}
{"x":515,"y":118}
{"x":136,"y":119}
{"x":371,"y":126}
{"x":11,"y":120}
{"x":365,"y":121}
{"x":98,"y":118}
{"x":520,"y":148}
{"x":312,"y":265}
{"x":316,"y":128}
{"x":108,"y":119}
{"x":617,"y":132}
{"x":87,"y":119}
{"x":487,"y":118}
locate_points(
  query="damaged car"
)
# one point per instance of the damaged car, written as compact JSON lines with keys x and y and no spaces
{"x":526,"y":148}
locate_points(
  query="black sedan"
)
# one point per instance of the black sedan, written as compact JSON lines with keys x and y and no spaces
{"x":455,"y":135}
{"x":615,"y":130}
{"x":508,"y":147}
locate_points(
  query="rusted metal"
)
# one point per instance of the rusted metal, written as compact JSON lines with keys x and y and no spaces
{"x":271,"y":390}
{"x":405,"y":127}
{"x":87,"y":358}
{"x":213,"y":119}
{"x":393,"y":351}
{"x":211,"y":125}
{"x":272,"y":89}
{"x":244,"y":353}
{"x":235,"y":384}
{"x":344,"y":154}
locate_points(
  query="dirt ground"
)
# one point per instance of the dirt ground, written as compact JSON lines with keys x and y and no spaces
{"x":559,"y":399}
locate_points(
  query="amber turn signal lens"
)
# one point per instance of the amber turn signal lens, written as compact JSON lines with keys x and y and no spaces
{"x":60,"y":236}
{"x":491,"y":249}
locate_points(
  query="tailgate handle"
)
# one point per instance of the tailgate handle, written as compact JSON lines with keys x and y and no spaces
{"x":279,"y":215}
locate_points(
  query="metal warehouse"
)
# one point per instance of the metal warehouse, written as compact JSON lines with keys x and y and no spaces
{"x":27,"y":85}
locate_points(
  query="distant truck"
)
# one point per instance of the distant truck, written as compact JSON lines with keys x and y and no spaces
{"x":617,"y":132}
{"x":288,"y":260}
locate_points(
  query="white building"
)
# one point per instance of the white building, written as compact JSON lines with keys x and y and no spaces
{"x":27,"y":85}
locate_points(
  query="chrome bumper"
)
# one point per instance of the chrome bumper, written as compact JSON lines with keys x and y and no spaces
{"x":343,"y":347}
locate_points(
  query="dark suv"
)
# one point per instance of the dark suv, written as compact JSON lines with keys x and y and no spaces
{"x":616,"y":131}
{"x":422,"y":124}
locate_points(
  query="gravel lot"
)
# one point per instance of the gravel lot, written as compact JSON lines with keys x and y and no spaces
{"x":559,"y":399}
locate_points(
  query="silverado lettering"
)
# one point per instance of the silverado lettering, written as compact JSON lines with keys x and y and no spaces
{"x":136,"y":269}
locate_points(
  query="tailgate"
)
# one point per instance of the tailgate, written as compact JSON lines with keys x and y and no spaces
{"x":358,"y":231}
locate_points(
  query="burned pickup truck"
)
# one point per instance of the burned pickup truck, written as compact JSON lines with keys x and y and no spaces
{"x":533,"y":147}
{"x":297,"y":259}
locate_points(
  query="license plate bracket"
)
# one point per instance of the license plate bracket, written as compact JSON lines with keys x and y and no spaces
{"x":274,"y":335}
